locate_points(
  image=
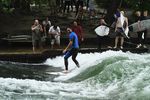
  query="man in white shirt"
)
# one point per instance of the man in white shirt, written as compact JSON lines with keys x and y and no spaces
{"x":55,"y":33}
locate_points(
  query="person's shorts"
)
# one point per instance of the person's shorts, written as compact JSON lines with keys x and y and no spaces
{"x":119,"y":32}
{"x":56,"y":39}
{"x":71,"y":52}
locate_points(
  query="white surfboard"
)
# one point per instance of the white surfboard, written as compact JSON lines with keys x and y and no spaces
{"x":61,"y":73}
{"x":126,"y":31}
{"x":144,"y":24}
{"x":56,"y":73}
{"x":102,"y":30}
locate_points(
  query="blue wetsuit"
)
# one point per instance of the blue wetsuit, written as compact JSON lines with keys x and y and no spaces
{"x":73,"y":51}
{"x":75,"y":45}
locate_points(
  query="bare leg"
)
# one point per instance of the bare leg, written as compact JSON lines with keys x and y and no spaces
{"x":33,"y":48}
{"x":122,"y":41}
{"x":116,"y":42}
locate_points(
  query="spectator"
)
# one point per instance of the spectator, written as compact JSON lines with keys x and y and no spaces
{"x":67,"y":4}
{"x":79,"y":5}
{"x":91,"y":8}
{"x":55,"y":33}
{"x":120,"y":29}
{"x":36,"y":35}
{"x":46,"y":26}
{"x":79,"y":31}
{"x":99,"y":38}
{"x":53,"y":7}
{"x":80,"y":13}
{"x":139,"y":18}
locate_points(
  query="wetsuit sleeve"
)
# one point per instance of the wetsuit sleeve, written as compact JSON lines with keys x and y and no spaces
{"x":71,"y":37}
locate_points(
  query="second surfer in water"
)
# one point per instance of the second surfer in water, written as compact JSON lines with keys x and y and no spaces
{"x":73,"y":46}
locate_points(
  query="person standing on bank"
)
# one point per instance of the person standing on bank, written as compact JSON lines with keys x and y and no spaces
{"x":73,"y":46}
{"x":121,"y":26}
{"x":67,"y":5}
{"x":46,"y":25}
{"x":139,"y":18}
{"x":36,"y":35}
{"x":99,"y":38}
{"x":145,"y":17}
{"x":55,"y":33}
{"x":79,"y":31}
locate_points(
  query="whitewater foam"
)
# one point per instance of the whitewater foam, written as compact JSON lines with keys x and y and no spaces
{"x":86,"y":61}
{"x":120,"y":76}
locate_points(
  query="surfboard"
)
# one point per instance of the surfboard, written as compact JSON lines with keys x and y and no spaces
{"x":61,"y":73}
{"x":144,"y":24}
{"x":126,"y":31}
{"x":102,"y":30}
{"x":56,"y":73}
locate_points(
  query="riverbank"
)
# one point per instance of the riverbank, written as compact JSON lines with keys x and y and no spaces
{"x":22,"y":51}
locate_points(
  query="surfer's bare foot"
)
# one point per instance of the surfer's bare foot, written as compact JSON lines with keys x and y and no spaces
{"x":65,"y":71}
{"x":78,"y":66}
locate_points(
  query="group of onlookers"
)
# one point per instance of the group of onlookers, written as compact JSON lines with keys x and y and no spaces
{"x":52,"y":32}
{"x":120,"y":26}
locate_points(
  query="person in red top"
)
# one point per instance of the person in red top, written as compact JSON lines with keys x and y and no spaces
{"x":79,"y":31}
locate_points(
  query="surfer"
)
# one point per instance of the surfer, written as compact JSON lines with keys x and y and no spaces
{"x":120,"y":30}
{"x":74,"y":47}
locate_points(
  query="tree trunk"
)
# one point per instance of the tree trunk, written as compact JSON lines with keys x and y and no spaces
{"x":1,"y":5}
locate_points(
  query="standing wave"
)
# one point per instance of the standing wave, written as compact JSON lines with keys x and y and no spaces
{"x":111,"y":75}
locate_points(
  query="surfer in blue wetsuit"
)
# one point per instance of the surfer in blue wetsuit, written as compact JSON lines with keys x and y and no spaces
{"x":73,"y":46}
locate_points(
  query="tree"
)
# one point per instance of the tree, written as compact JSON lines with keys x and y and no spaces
{"x":112,"y":5}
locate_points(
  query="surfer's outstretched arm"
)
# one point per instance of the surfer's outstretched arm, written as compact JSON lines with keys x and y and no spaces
{"x":69,"y":45}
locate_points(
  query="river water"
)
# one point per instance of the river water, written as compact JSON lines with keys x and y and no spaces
{"x":111,"y":75}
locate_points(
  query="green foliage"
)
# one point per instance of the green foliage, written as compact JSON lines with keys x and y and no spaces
{"x":131,"y":4}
